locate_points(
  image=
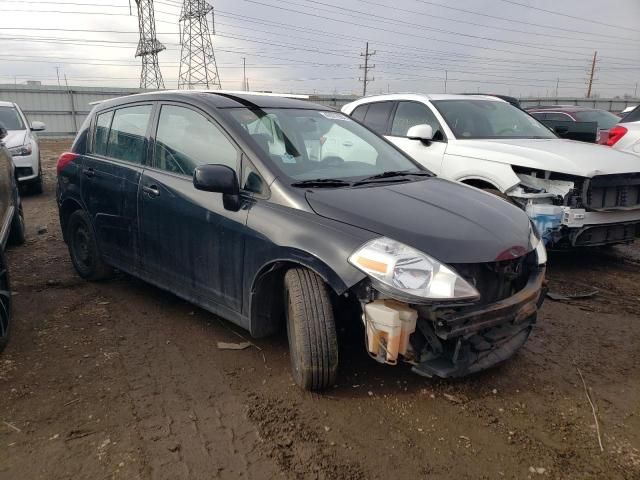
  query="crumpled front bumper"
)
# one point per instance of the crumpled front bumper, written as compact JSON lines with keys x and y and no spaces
{"x":454,"y":343}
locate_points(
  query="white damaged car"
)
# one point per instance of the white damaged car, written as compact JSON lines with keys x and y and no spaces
{"x":578,"y":194}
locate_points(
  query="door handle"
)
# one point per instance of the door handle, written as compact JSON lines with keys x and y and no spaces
{"x":151,"y":190}
{"x":89,"y":172}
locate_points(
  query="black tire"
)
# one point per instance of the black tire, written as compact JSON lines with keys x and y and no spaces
{"x":83,"y":248}
{"x":5,"y":303}
{"x":37,"y":185}
{"x":311,"y":329}
{"x":17,"y":232}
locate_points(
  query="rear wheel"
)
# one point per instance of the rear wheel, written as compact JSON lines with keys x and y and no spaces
{"x":5,"y":303}
{"x":311,"y":330}
{"x":83,"y":248}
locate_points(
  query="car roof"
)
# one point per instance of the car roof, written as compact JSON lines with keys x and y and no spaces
{"x":7,"y":104}
{"x":563,"y":108}
{"x":427,"y":96}
{"x":223,"y":99}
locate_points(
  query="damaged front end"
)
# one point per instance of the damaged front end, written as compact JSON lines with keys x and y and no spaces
{"x":571,"y":211}
{"x":455,"y":338}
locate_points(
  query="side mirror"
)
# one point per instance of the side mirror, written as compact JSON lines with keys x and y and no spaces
{"x":3,"y":131}
{"x":38,"y":126}
{"x":422,"y":132}
{"x":219,"y":179}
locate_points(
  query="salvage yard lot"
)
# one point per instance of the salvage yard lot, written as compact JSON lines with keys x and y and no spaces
{"x":122,"y":380}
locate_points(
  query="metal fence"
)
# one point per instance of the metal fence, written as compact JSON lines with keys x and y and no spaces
{"x":610,"y":104}
{"x":63,"y":109}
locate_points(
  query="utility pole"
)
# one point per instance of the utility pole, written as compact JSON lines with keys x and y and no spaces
{"x":58,"y":74}
{"x":593,"y":70}
{"x":148,"y":46}
{"x":366,"y":67}
{"x":446,"y":77}
{"x":557,"y":85}
{"x":244,"y":74}
{"x":635,"y":92}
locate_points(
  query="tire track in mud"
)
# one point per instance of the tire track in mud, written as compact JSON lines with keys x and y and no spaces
{"x":192,"y":424}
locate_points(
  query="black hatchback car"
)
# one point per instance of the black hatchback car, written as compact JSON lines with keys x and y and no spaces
{"x":268,"y":211}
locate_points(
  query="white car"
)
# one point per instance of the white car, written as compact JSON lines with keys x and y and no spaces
{"x":23,"y":144}
{"x":625,"y":136}
{"x":577,"y":194}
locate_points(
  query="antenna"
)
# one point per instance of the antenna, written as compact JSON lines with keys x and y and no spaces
{"x":198,"y":67}
{"x":148,"y":46}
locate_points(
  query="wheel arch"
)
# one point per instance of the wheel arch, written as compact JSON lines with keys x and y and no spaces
{"x":67,"y":207}
{"x":481,"y":183}
{"x":266,"y":300}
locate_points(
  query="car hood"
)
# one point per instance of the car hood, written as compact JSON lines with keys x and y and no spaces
{"x":451,"y":222}
{"x":15,"y":138}
{"x":553,"y":154}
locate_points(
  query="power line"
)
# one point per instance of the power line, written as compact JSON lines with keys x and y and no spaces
{"x":513,"y":20}
{"x":566,"y":15}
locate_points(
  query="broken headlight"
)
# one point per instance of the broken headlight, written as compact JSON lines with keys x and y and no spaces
{"x":538,"y":244}
{"x":410,"y":272}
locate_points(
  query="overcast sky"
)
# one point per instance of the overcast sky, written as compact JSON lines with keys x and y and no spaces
{"x":305,"y":46}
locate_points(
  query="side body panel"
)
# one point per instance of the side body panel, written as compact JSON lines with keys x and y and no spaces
{"x":189,"y":241}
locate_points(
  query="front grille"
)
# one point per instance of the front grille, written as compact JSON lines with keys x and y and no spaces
{"x":613,"y":192}
{"x":24,"y":172}
{"x":498,"y":280}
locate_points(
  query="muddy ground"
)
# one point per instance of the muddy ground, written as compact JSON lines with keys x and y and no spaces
{"x":123,"y":380}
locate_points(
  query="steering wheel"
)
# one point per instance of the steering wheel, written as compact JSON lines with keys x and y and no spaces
{"x":506,"y":130}
{"x":332,"y":161}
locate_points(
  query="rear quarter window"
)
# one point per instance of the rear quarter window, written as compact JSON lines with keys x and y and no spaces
{"x":103,"y":124}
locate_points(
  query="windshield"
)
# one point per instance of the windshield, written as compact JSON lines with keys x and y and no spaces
{"x":10,"y":118}
{"x":470,"y":119}
{"x":604,"y":119}
{"x":312,"y":144}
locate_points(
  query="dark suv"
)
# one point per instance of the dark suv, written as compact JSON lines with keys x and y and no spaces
{"x":11,"y":230}
{"x":269,"y":211}
{"x":570,"y":113}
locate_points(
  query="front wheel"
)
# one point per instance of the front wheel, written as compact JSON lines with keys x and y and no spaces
{"x":83,"y":248}
{"x":17,"y":232}
{"x":311,"y":330}
{"x":37,"y":185}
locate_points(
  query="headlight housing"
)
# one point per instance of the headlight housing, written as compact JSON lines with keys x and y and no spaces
{"x":538,"y":243}
{"x":410,"y":272}
{"x":21,"y":151}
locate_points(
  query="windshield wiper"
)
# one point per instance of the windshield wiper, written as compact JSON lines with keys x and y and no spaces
{"x":392,"y":174}
{"x":322,"y":183}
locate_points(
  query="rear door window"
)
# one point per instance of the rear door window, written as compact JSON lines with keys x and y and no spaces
{"x":410,"y":114}
{"x":127,"y":137}
{"x":103,"y":123}
{"x":377,"y":117}
{"x":186,"y":139}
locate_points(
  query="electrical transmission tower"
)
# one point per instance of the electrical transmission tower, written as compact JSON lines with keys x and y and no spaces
{"x":366,"y":67}
{"x":149,"y":46}
{"x":198,"y":67}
